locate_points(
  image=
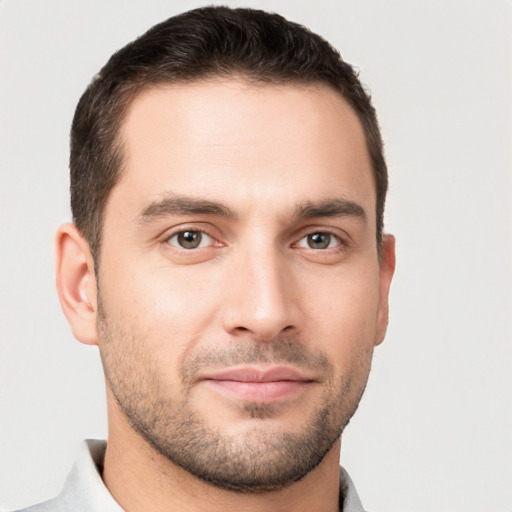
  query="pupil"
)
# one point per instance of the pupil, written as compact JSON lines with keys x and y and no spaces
{"x":319,"y":240}
{"x":189,"y":239}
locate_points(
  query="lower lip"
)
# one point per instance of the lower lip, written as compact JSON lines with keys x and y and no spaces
{"x":261,"y":392}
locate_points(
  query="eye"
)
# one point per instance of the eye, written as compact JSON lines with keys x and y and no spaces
{"x":190,"y":239}
{"x":319,"y":240}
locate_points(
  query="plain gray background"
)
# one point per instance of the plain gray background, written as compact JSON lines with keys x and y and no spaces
{"x":434,"y":430}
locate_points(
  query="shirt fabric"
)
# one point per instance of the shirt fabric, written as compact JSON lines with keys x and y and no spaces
{"x":84,"y":490}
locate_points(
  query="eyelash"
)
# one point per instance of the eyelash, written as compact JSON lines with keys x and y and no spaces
{"x":305,"y":239}
{"x":183,"y":232}
{"x":331,"y":237}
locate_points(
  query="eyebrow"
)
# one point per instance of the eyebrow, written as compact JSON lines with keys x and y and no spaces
{"x":330,"y":208}
{"x":173,"y":204}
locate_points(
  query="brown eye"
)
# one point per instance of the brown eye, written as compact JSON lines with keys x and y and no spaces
{"x":190,"y":239}
{"x":319,"y":240}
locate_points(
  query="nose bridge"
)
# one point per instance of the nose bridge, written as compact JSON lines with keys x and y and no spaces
{"x":262,"y":295}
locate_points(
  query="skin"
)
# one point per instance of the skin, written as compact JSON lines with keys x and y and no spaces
{"x":276,"y":165}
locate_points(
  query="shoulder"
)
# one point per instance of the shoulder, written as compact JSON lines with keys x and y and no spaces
{"x":53,"y":505}
{"x":84,"y":490}
{"x":349,"y":499}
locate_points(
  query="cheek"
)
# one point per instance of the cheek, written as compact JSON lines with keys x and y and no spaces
{"x":344,"y":313}
{"x":166,"y":307}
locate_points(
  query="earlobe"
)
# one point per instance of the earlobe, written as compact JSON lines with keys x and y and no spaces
{"x":76,"y":283}
{"x":386,"y":271}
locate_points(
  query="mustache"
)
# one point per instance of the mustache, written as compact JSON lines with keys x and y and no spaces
{"x":288,"y":351}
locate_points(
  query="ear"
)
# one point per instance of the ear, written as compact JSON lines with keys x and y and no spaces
{"x":76,"y":283}
{"x":386,"y":270}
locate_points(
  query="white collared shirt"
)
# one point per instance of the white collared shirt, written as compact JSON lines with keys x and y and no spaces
{"x":84,"y":490}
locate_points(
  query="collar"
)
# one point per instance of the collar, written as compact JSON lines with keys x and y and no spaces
{"x":84,"y":487}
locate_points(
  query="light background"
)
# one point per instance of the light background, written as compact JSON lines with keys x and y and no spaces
{"x":434,"y":431}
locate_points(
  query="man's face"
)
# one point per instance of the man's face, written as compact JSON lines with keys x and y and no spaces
{"x":240,"y":289}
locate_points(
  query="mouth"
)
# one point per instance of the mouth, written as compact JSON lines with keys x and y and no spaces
{"x":258,"y":385}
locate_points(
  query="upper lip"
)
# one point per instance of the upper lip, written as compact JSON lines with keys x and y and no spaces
{"x":255,"y":374}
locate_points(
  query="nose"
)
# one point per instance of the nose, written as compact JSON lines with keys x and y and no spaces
{"x":262,"y":298}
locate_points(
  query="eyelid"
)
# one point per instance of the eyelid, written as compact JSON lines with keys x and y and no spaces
{"x":338,"y":240}
{"x":342,"y":237}
{"x":201,"y":243}
{"x":208,"y":230}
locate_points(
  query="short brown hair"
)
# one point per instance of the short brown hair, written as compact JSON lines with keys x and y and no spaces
{"x":198,"y":44}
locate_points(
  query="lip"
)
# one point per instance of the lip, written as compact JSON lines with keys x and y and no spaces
{"x":259,"y":385}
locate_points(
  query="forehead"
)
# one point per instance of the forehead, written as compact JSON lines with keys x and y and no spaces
{"x":242,"y":142}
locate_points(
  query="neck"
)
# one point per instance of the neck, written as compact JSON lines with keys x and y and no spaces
{"x":140,"y":479}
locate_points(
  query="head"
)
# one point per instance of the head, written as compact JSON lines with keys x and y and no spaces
{"x":228,"y":188}
{"x":260,"y":47}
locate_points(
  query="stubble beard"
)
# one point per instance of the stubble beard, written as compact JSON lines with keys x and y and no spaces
{"x":262,"y":459}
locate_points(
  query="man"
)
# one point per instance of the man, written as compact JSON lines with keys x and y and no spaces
{"x":228,"y":258}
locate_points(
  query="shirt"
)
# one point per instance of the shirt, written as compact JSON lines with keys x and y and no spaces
{"x":84,"y":490}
